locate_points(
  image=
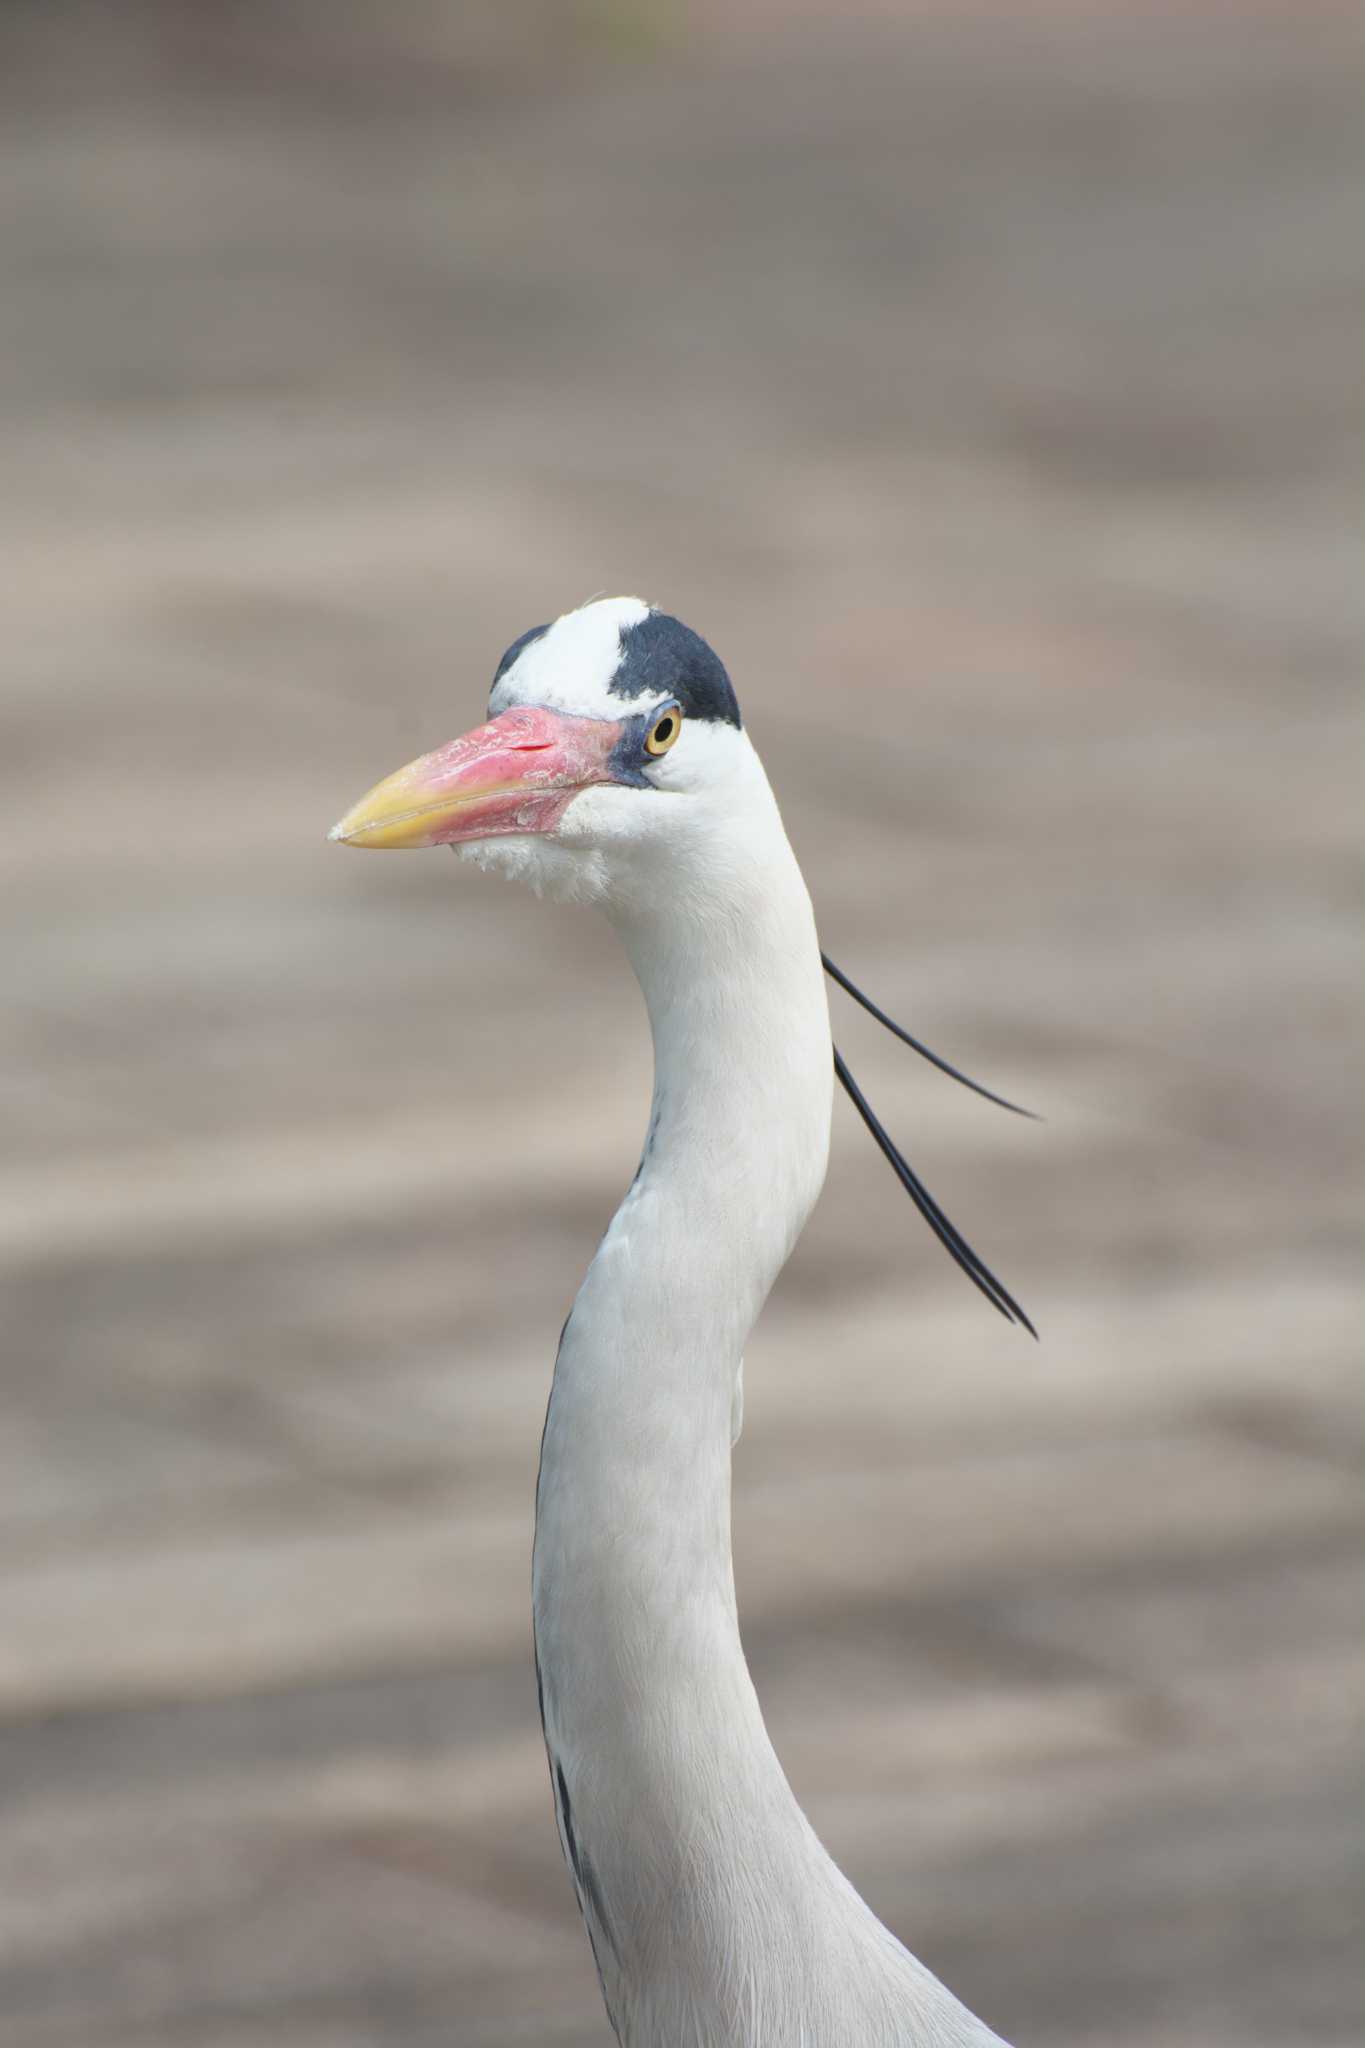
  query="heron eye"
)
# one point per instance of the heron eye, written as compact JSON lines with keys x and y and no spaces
{"x":664,"y":731}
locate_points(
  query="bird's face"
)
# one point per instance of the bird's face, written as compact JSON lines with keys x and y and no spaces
{"x":613,"y":745}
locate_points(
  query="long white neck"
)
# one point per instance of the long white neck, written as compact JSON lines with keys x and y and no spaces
{"x":715,"y":1916}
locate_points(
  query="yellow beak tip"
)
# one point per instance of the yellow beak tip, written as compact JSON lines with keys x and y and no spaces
{"x":350,"y":830}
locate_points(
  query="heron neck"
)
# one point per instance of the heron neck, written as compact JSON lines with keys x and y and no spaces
{"x":715,"y":1915}
{"x":738,"y":1136}
{"x":732,"y":1163}
{"x":649,"y":1711}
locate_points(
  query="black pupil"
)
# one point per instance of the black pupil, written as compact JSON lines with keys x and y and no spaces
{"x":663,"y":731}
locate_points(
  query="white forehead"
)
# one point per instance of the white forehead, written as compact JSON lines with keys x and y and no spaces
{"x":571,"y":665}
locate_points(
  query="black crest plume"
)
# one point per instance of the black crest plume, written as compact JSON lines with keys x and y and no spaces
{"x":947,"y":1233}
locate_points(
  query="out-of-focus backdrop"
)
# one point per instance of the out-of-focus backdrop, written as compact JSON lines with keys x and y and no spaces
{"x":983,"y":381}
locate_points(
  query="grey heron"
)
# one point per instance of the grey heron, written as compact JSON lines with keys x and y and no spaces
{"x":614,"y":769}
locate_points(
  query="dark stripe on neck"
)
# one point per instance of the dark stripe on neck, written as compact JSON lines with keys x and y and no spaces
{"x":584,"y":1876}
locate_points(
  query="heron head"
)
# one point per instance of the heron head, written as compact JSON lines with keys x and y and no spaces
{"x":613,"y":743}
{"x":613,"y":768}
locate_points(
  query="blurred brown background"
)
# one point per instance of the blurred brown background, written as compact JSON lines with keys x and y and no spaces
{"x":983,"y":381}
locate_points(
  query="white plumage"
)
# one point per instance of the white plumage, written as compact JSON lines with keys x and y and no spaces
{"x":717,"y":1919}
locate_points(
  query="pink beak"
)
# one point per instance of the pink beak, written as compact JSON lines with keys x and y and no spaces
{"x":518,"y":773}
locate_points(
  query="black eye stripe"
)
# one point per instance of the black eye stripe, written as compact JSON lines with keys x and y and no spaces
{"x":665,"y":658}
{"x":658,"y":658}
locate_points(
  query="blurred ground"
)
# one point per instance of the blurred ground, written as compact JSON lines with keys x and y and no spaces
{"x":985,"y":385}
